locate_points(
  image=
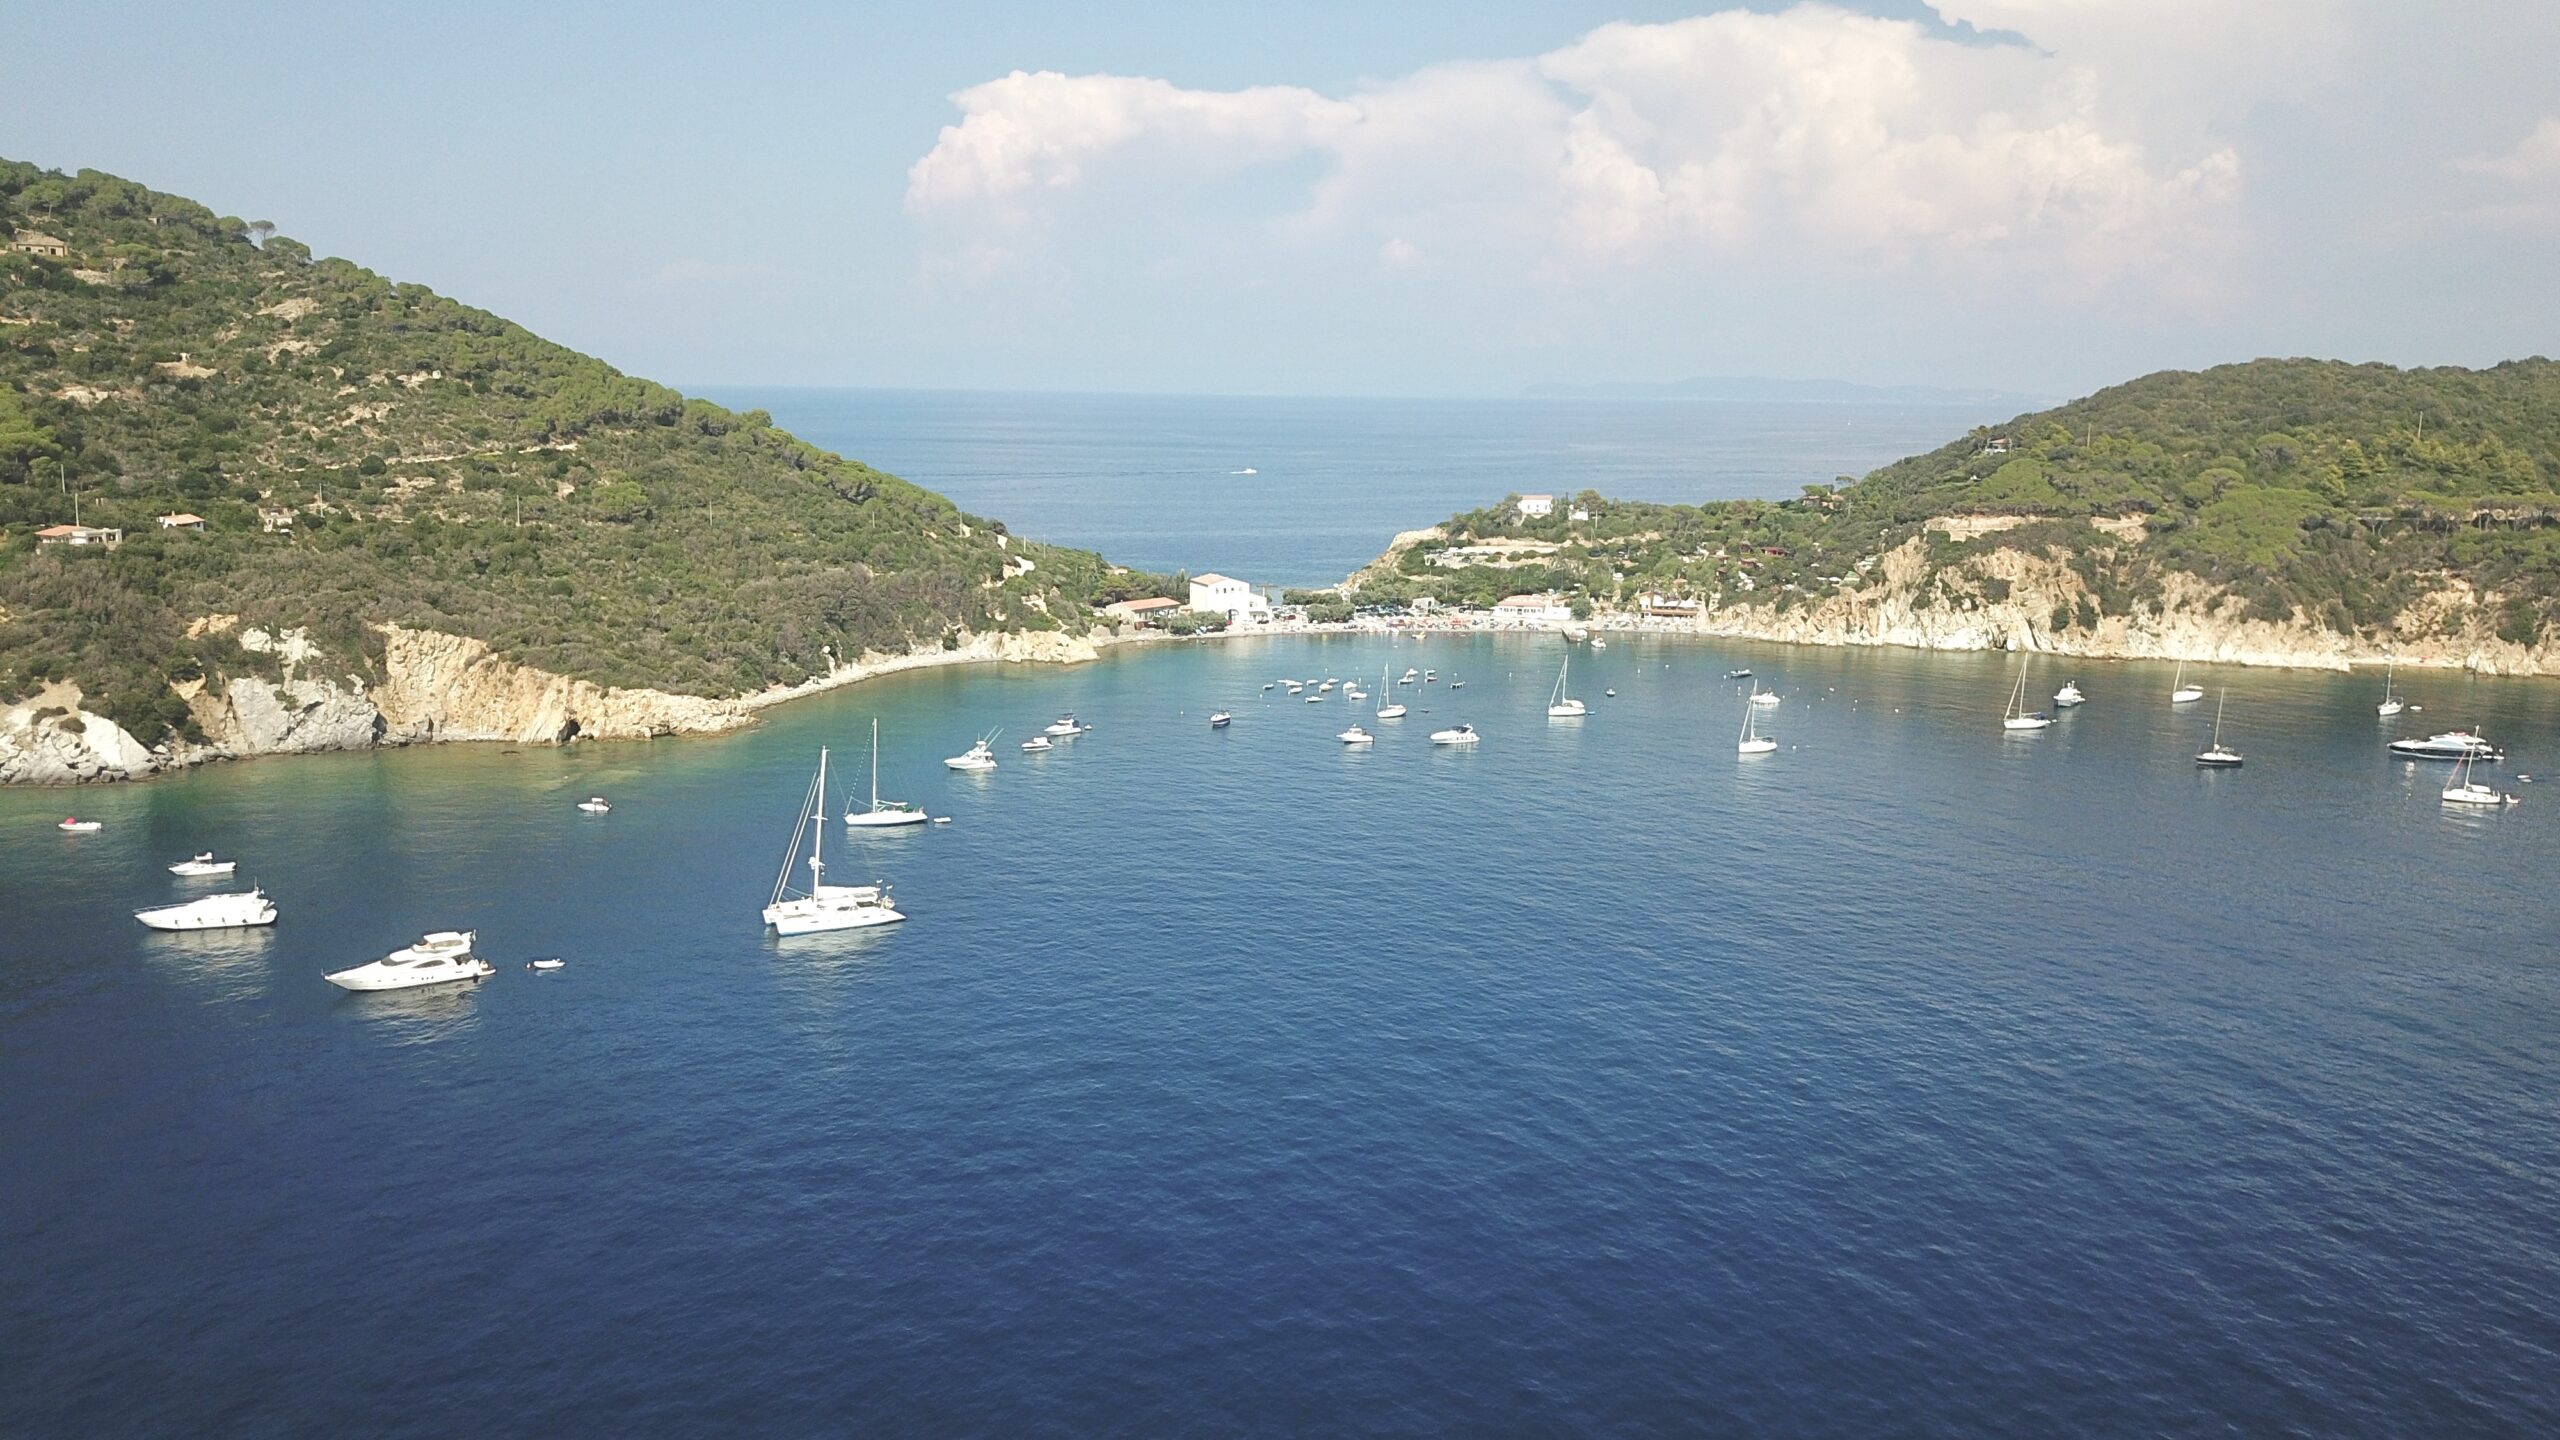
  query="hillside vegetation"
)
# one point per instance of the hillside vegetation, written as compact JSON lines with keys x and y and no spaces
{"x":2333,"y":494}
{"x":364,"y":451}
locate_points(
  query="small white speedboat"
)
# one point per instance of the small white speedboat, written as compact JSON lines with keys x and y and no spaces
{"x":1221,"y":720}
{"x":1455,"y":735}
{"x":1315,"y":699}
{"x":1038,"y":743}
{"x":553,"y":963}
{"x":74,"y":825}
{"x":203,"y":865}
{"x":441,"y":957}
{"x":595,"y":805}
{"x":213,"y":912}
{"x":1294,"y":687}
{"x":1355,"y":736}
{"x":1066,"y":725}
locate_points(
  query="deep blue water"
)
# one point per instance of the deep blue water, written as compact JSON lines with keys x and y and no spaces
{"x":1911,"y":1080}
{"x":1149,"y":480}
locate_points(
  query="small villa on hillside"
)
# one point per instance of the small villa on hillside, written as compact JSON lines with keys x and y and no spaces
{"x":1533,"y":507}
{"x":1224,"y":595}
{"x":79,"y":535}
{"x":1668,"y":607}
{"x":30,"y":242}
{"x":1530,"y":609}
{"x":182,"y":521}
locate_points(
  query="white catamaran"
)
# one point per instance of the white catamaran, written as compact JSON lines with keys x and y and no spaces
{"x":822,"y":906}
{"x":883,"y":813}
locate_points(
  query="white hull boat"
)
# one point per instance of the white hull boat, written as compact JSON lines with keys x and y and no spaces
{"x":1221,"y":720}
{"x":822,"y":906}
{"x":2466,"y":791}
{"x":2218,"y":756}
{"x":1355,"y":736}
{"x":72,"y":826}
{"x":1065,"y":727}
{"x":1038,"y":743}
{"x":213,"y":912}
{"x":981,"y":756}
{"x":595,"y":805}
{"x":202,"y":866}
{"x":2450,"y":745}
{"x":1389,"y":707}
{"x":442,"y":957}
{"x":1561,"y":706}
{"x":1455,"y":735}
{"x":883,"y":814}
{"x":1763,"y":697}
{"x":2069,"y":695}
{"x":2180,"y":692}
{"x":1753,"y":742}
{"x":2019,"y":717}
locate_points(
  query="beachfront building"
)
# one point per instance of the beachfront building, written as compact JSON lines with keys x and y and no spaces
{"x":1152,"y":608}
{"x":1536,"y":507}
{"x":1224,"y":595}
{"x":1668,"y":607}
{"x":1531,"y":610}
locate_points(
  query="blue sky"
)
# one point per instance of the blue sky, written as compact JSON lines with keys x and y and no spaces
{"x":2043,"y":195}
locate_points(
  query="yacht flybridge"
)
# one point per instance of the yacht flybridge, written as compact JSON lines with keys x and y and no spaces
{"x":883,"y":813}
{"x":1067,"y":726}
{"x":821,"y":906}
{"x":2069,"y":695}
{"x":212,"y":912}
{"x":203,"y":865}
{"x":439,"y":958}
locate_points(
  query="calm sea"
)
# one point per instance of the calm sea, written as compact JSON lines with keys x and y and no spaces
{"x":1914,"y":1079}
{"x":1158,"y":481}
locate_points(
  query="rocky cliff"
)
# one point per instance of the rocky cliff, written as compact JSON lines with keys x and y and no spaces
{"x":2007,"y":599}
{"x":432,"y":687}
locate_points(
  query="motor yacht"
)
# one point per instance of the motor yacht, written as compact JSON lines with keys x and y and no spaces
{"x":441,"y":957}
{"x":2449,"y":745}
{"x":1038,"y":743}
{"x":1455,"y":735}
{"x":74,"y":825}
{"x":212,"y":912}
{"x":2069,"y":695}
{"x":1221,"y":720}
{"x":981,"y":756}
{"x":595,"y":805}
{"x":203,"y":865}
{"x":1355,"y":735}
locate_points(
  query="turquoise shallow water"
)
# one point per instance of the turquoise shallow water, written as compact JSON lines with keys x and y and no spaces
{"x":1912,"y":1079}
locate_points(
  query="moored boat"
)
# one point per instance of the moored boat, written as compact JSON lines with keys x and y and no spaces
{"x":441,"y":957}
{"x":212,"y":912}
{"x":2448,"y":745}
{"x":203,"y":865}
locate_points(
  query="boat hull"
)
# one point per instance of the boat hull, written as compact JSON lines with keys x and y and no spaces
{"x":885,"y":819}
{"x":165,"y":918}
{"x":371,"y":978}
{"x":812,"y":922}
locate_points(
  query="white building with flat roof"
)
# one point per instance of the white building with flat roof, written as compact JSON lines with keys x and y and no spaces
{"x":1531,"y":609}
{"x":1534,"y":506}
{"x":1215,"y":594}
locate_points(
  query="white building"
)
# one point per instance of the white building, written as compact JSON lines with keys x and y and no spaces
{"x":1531,"y":609}
{"x":1223,"y":595}
{"x":1533,"y":506}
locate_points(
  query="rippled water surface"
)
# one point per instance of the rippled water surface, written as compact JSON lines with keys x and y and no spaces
{"x":1910,"y":1080}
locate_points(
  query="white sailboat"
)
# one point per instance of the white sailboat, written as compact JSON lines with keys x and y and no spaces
{"x":2390,"y":705}
{"x":883,"y":813}
{"x":2018,"y":716}
{"x":1753,"y":742}
{"x":1561,"y":706}
{"x":2466,"y":791}
{"x":822,"y":906}
{"x":1389,"y":707}
{"x":2180,"y":692}
{"x":2217,"y":755}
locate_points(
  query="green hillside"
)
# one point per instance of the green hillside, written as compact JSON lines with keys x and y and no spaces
{"x":365,"y":451}
{"x":2339,"y":492}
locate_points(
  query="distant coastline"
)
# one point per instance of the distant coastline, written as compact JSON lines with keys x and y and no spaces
{"x":1766,"y":390}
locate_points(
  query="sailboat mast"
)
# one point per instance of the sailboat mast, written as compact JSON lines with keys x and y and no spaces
{"x":818,"y":832}
{"x":875,"y":762}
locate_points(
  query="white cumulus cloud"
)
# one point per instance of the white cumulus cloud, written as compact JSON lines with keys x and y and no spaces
{"x":1803,"y":136}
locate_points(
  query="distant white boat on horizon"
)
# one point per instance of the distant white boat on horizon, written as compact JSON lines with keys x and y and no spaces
{"x":203,"y":865}
{"x":441,"y":957}
{"x":212,"y":912}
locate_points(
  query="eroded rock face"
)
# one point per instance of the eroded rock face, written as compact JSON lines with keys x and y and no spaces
{"x":299,"y":716}
{"x":447,"y":687}
{"x":43,"y":750}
